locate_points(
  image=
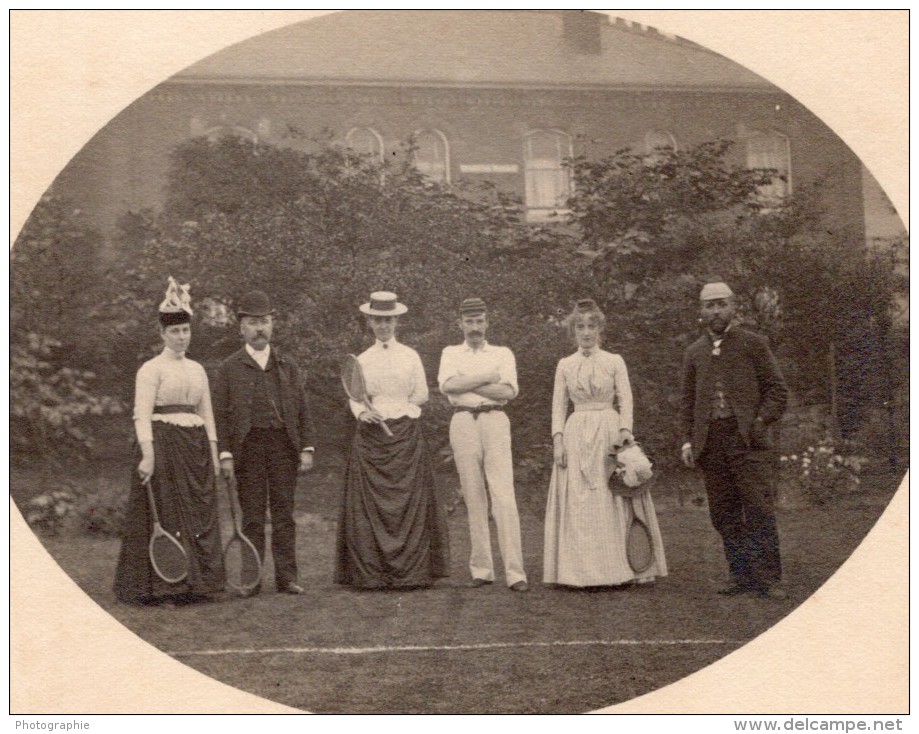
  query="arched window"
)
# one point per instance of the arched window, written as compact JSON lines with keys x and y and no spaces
{"x":365,"y":141}
{"x":198,"y":127}
{"x":432,"y":155}
{"x":771,"y":150}
{"x":547,"y":181}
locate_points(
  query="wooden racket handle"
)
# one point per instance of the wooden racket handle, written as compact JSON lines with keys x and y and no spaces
{"x":383,"y":423}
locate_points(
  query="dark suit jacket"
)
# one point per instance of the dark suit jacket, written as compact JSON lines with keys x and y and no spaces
{"x":234,"y":390}
{"x":753,"y":382}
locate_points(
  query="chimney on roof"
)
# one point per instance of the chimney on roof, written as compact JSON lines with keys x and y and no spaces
{"x":581,"y":31}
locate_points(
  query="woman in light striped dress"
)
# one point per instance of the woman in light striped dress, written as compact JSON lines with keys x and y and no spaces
{"x":586,"y":524}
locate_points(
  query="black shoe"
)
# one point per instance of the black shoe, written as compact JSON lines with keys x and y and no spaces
{"x":478,"y":583}
{"x":735,"y":589}
{"x":292,"y":588}
{"x":520,"y":586}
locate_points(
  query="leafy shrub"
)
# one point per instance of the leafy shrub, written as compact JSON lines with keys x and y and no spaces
{"x":100,"y":510}
{"x":822,"y":472}
{"x":58,"y":339}
{"x":48,"y":513}
{"x":47,"y":402}
{"x":656,"y":226}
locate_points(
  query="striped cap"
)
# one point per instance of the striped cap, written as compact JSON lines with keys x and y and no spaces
{"x":472,"y":307}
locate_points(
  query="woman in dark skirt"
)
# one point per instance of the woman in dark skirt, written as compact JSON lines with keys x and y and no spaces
{"x":177,"y":452}
{"x":392,"y":533}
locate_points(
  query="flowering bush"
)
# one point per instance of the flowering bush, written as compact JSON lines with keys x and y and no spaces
{"x":48,"y":512}
{"x":823,"y":471}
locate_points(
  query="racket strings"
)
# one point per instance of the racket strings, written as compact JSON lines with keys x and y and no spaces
{"x":639,"y":546}
{"x":353,"y":380}
{"x":168,"y":558}
{"x":242,"y":564}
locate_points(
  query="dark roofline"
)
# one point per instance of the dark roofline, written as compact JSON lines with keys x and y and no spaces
{"x":186,"y":81}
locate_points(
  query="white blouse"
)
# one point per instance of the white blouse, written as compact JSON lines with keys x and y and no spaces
{"x":395,"y":380}
{"x":172,"y":379}
{"x":599,"y":378}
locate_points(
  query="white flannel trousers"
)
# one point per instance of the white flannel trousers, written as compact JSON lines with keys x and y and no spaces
{"x":482,"y":451}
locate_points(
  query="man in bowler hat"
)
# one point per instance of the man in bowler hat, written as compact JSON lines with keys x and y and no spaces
{"x":733,"y":391}
{"x":265,"y":435}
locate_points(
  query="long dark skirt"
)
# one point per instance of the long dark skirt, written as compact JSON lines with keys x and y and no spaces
{"x":392,"y":532}
{"x":186,"y":500}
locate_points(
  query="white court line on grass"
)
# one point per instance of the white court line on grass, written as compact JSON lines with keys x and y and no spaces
{"x":444,"y":648}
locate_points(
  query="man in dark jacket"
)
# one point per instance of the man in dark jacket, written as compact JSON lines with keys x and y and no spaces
{"x":733,"y":391}
{"x":265,"y":436}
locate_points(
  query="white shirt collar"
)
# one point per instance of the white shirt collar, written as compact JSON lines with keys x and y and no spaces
{"x":468,"y":347}
{"x":260,"y":357}
{"x":170,"y":354}
{"x":385,"y":345}
{"x":718,"y":337}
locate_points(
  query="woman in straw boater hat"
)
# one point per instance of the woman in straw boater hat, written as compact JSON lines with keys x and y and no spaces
{"x":392,"y":533}
{"x":177,"y":450}
{"x":586,"y":524}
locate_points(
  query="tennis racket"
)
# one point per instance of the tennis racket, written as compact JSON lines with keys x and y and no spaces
{"x":166,"y":553}
{"x":639,"y":549}
{"x":352,"y":379}
{"x":240,"y":557}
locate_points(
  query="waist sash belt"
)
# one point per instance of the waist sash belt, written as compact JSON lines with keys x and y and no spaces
{"x":174,"y":409}
{"x":593,"y":406}
{"x":478,"y":410}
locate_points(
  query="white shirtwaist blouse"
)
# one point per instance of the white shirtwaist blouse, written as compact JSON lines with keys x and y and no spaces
{"x":395,"y":380}
{"x":172,"y":379}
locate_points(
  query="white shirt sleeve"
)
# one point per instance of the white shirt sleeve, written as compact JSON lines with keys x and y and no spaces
{"x":144,"y":398}
{"x":623,"y":393}
{"x":447,"y":368}
{"x":507,"y":369}
{"x":419,"y":394}
{"x":559,"y":400}
{"x":205,"y":409}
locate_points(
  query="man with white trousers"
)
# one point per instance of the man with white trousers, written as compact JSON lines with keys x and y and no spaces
{"x":479,"y":379}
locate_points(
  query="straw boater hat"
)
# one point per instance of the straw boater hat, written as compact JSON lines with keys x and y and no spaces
{"x":383,"y":303}
{"x":176,"y":307}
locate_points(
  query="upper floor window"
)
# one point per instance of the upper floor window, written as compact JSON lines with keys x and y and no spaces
{"x":771,"y":150}
{"x":547,"y":181}
{"x":432,"y":155}
{"x":365,"y":141}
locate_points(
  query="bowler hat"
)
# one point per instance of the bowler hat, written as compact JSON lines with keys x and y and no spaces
{"x":383,"y":303}
{"x":254,"y":303}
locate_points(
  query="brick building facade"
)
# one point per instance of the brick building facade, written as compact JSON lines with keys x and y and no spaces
{"x":502,"y":95}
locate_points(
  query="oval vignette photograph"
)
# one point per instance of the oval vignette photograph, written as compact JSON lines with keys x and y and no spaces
{"x":452,"y":362}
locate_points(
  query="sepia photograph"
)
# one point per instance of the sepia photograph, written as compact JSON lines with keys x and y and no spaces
{"x":459,"y":362}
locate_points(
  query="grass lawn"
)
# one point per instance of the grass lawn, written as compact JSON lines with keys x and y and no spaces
{"x":454,"y":649}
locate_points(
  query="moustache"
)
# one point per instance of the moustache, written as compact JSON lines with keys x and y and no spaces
{"x":475,"y":333}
